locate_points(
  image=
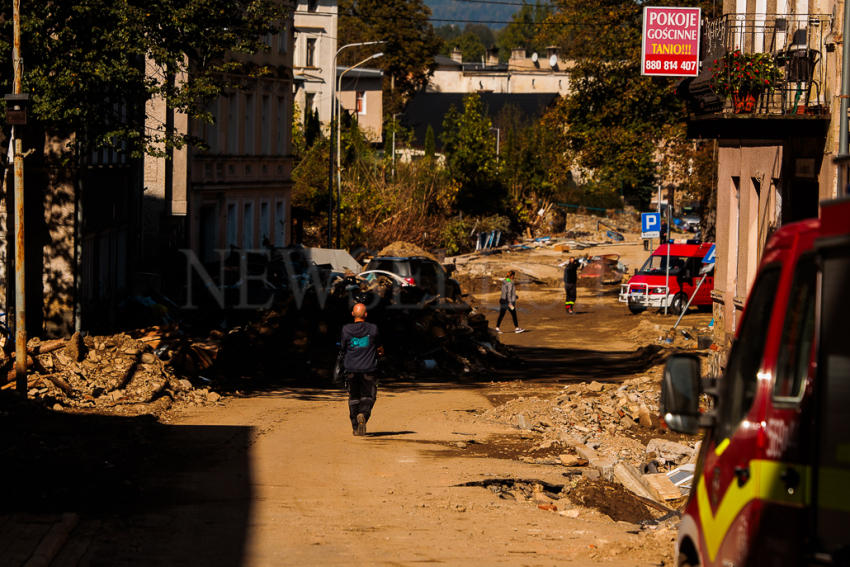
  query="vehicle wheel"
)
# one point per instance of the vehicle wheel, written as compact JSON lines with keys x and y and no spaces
{"x":677,"y":306}
{"x":636,"y":308}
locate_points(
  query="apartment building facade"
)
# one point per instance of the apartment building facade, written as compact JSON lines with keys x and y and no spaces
{"x":315,"y":26}
{"x":775,"y":163}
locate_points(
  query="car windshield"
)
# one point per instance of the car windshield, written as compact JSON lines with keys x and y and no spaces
{"x":658,"y":264}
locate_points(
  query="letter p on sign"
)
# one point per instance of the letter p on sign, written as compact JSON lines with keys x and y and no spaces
{"x":650,"y":225}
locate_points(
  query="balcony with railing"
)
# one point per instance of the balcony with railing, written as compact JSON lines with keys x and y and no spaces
{"x":799,"y":45}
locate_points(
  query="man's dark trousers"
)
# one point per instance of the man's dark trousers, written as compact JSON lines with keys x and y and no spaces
{"x":362,"y":392}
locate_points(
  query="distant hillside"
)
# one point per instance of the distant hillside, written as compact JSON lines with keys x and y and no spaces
{"x":460,"y":11}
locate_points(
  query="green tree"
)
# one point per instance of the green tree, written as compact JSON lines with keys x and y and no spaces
{"x":430,"y":142}
{"x":470,"y":149}
{"x":524,"y":29}
{"x":85,"y":62}
{"x":410,"y":46}
{"x":616,"y":119}
{"x":312,"y":128}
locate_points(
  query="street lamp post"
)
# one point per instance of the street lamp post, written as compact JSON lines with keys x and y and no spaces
{"x":339,"y":144}
{"x":330,"y":133}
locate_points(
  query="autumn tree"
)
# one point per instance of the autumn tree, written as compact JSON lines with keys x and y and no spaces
{"x":617,"y":119}
{"x":86,"y":62}
{"x":410,"y":45}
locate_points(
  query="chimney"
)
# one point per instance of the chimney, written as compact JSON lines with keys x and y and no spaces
{"x":492,"y":56}
{"x":457,"y":55}
{"x":517,"y":54}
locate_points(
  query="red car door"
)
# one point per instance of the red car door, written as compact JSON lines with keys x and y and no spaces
{"x":727,"y":487}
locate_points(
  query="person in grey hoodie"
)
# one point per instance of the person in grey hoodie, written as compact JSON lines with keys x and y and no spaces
{"x":507,"y":302}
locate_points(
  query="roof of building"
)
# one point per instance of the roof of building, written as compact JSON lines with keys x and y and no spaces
{"x":443,"y":61}
{"x":430,"y":108}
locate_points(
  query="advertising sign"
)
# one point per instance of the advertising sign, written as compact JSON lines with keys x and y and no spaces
{"x":670,"y":45}
{"x":650,"y":225}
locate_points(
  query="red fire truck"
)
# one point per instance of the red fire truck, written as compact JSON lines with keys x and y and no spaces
{"x":652,"y":287}
{"x":772,"y":483}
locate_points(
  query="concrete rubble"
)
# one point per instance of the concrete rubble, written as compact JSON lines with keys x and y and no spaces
{"x":605,"y":432}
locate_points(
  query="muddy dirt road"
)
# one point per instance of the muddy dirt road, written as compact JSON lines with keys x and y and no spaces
{"x":276,"y":478}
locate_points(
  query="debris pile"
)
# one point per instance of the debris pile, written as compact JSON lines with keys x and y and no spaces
{"x":117,"y":373}
{"x":610,"y":432}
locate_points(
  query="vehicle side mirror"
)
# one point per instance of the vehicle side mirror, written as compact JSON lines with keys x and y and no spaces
{"x":680,"y":391}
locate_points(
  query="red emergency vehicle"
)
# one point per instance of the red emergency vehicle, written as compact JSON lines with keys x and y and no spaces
{"x":772,"y":482}
{"x":651,"y":287}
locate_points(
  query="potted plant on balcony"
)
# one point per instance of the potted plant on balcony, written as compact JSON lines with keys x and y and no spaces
{"x":744,"y":77}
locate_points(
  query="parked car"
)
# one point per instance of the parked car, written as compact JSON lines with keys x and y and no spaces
{"x":650,"y":286}
{"x":418,"y":271}
{"x":772,"y":477}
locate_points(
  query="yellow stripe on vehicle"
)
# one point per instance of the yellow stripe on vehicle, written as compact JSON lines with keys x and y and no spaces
{"x":721,"y":447}
{"x":765,"y":484}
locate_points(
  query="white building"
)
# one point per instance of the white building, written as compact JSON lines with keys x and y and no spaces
{"x":523,"y":73}
{"x":315,"y":47}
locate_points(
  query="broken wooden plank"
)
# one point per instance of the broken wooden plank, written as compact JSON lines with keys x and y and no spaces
{"x":663,"y":486}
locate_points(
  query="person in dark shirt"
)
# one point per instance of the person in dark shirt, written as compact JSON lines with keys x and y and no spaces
{"x":360,"y":350}
{"x":570,"y":282}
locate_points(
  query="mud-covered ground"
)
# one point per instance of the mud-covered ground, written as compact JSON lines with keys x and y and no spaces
{"x":448,"y":473}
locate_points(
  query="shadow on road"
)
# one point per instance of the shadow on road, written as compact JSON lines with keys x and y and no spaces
{"x":139,"y":492}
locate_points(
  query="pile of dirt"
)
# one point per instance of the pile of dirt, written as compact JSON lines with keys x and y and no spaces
{"x":613,"y":419}
{"x":116,"y":373}
{"x":402,"y":248}
{"x":609,"y":433}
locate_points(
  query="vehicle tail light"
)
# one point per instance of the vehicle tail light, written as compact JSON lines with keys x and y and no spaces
{"x":411,"y":281}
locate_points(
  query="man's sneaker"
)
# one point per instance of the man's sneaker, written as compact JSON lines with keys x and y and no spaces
{"x":498,"y":330}
{"x":361,"y":424}
{"x":519,"y":330}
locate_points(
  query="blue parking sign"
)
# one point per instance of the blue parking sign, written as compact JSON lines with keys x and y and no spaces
{"x":650,"y":225}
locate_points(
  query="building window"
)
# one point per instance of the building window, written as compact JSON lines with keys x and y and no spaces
{"x":250,"y":119}
{"x":309,"y":102}
{"x":265,"y":224}
{"x":360,"y":102}
{"x":310,"y":58}
{"x":230,"y":225}
{"x":248,"y":225}
{"x":265,"y":127}
{"x":212,"y":128}
{"x":232,"y":124}
{"x":283,"y":40}
{"x":283,"y":126}
{"x":280,"y":223}
{"x":312,"y":5}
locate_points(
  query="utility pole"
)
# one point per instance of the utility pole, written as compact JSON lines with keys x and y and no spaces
{"x":20,"y":264}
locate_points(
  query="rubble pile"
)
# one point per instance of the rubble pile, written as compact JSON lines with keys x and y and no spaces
{"x":608,"y":432}
{"x":297,"y":338}
{"x":401,"y":248}
{"x":115,"y":372}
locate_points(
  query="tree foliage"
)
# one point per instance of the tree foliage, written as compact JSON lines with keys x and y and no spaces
{"x":410,"y":45}
{"x":85,"y":62}
{"x":524,"y":29}
{"x":470,"y":148}
{"x":617,"y":119}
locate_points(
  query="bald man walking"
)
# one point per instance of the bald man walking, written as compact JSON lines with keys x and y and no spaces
{"x":360,"y":349}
